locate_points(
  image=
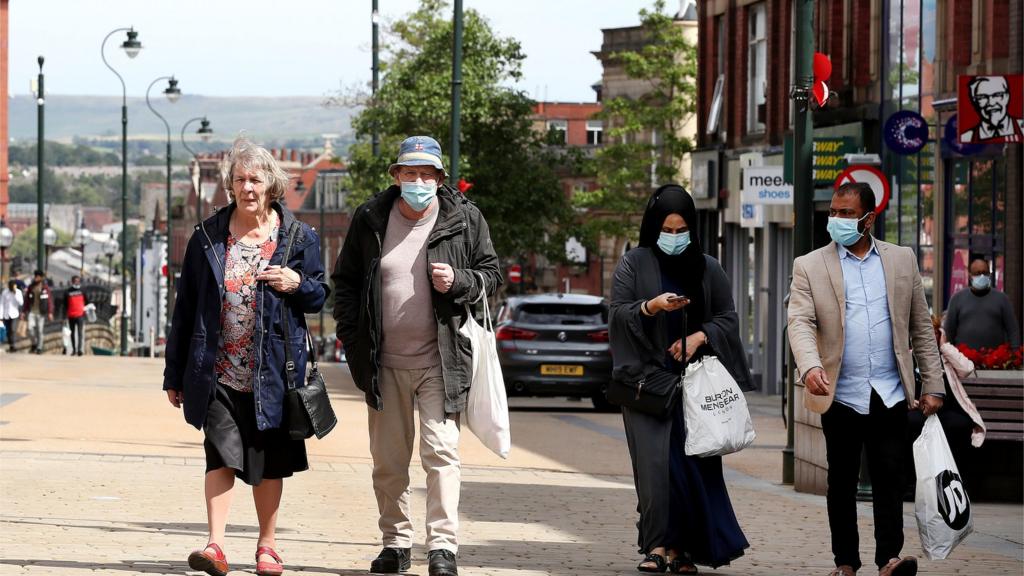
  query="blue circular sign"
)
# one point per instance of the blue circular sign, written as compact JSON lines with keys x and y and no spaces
{"x":952,"y":140}
{"x":906,"y":132}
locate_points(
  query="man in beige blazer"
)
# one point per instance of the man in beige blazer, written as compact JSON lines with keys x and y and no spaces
{"x":857,"y":312}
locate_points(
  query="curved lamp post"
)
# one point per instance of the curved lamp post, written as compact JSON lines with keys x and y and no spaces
{"x":49,"y":241}
{"x":81,"y":238}
{"x":6,"y":239}
{"x":204,"y":132}
{"x":172,"y":92}
{"x":131,"y":47}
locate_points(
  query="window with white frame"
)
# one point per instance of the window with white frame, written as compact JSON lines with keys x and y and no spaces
{"x":757,"y":63}
{"x":595,"y":132}
{"x":558,"y":131}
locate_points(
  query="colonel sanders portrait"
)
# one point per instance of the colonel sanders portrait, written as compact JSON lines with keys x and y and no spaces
{"x":990,"y":97}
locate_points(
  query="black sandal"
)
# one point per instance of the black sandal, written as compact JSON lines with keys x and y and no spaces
{"x":659,"y":564}
{"x":681,"y":565}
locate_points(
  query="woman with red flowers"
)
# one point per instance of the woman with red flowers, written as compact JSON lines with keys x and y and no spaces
{"x":240,"y":302}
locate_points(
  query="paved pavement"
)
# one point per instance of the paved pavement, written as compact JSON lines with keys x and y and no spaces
{"x":98,"y":474}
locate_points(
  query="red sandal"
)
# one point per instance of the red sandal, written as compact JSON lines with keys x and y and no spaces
{"x":268,"y":568}
{"x":214,"y":564}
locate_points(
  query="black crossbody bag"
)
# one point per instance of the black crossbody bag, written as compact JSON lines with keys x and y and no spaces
{"x":307,"y":409}
{"x":656,"y":393}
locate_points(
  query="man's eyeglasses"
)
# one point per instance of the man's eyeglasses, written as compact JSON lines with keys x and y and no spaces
{"x":984,"y":99}
{"x":406,"y":175}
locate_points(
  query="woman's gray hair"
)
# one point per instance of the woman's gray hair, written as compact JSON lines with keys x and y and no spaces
{"x":255,"y":158}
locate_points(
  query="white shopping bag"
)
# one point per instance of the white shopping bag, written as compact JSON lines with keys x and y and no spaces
{"x":65,"y":335}
{"x":487,"y":407}
{"x":715,"y":410}
{"x":941,"y":504}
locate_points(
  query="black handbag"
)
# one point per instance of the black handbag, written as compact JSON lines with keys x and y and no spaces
{"x":307,"y":409}
{"x":655,"y":392}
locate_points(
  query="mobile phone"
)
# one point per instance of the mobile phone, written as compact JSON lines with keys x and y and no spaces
{"x":678,"y":298}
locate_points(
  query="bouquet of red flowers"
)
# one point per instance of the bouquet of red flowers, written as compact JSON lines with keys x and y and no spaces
{"x":999,"y":358}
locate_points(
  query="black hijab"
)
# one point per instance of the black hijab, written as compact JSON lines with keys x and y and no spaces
{"x":686,"y":269}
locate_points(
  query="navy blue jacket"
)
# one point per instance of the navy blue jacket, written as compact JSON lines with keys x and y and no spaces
{"x":195,"y":327}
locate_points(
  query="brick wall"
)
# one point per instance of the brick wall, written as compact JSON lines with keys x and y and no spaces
{"x":962,"y":14}
{"x":862,"y":44}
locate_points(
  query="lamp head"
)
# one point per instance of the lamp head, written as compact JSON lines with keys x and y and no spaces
{"x":49,"y":235}
{"x":172,"y":91}
{"x":132,"y":46}
{"x":205,"y":132}
{"x":6,"y":235}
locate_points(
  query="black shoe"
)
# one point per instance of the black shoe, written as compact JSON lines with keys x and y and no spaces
{"x":441,"y":563}
{"x":392,"y":561}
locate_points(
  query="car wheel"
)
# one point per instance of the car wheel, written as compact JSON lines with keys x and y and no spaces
{"x":601,"y":404}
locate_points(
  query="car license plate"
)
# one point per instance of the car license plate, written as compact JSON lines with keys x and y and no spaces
{"x":561,"y":370}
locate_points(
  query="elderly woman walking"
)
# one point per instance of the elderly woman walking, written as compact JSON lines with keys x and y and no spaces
{"x":225,"y":358}
{"x":671,"y":306}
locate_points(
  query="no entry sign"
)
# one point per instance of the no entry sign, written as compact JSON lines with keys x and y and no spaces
{"x":515,"y":274}
{"x":871,"y":176}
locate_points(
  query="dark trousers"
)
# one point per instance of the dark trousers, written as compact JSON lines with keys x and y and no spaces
{"x":882,"y":433}
{"x":11,"y":325}
{"x":77,"y":326}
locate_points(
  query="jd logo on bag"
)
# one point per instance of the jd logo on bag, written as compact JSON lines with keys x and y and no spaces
{"x":954,"y":506}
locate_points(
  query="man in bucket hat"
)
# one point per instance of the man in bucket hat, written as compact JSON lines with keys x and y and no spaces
{"x":415,"y":259}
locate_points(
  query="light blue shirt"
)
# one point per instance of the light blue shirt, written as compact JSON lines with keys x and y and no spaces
{"x":869,"y":359}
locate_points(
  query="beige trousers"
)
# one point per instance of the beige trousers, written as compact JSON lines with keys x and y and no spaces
{"x":392,"y":434}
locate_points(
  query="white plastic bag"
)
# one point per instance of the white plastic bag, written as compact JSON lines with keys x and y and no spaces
{"x":941,"y":504}
{"x":715,"y":411}
{"x":487,"y":407}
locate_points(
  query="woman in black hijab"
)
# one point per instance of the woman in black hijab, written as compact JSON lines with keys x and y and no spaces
{"x":672,"y":305}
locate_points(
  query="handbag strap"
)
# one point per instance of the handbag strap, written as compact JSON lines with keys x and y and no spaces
{"x":289,"y":363}
{"x":482,"y":297}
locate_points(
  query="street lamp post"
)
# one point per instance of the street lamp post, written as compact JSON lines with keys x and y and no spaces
{"x":40,"y":111}
{"x":6,"y":239}
{"x":131,"y":47}
{"x":81,"y":238}
{"x":204,"y":132}
{"x":173,"y":93}
{"x":321,"y":196}
{"x":109,"y":249}
{"x":49,"y":240}
{"x":453,"y":152}
{"x":375,"y":69}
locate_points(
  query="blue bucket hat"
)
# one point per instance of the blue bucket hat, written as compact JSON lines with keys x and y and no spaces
{"x":419,"y":151}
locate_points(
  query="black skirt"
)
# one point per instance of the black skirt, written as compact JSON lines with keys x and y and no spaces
{"x":234,"y":441}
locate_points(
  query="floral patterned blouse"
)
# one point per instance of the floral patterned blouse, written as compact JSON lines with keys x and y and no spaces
{"x":236,"y":349}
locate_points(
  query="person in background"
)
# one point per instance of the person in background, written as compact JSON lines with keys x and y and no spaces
{"x":981,"y":316}
{"x":961,"y":421}
{"x":75,"y":302}
{"x":39,"y":307}
{"x":11,"y":301}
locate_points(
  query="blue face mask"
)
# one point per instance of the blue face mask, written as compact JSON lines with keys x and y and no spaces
{"x":674,"y":244}
{"x":418,"y":196}
{"x":844,"y":230}
{"x":981,"y":282}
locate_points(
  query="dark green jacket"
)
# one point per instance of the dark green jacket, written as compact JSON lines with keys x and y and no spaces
{"x":460,"y":238}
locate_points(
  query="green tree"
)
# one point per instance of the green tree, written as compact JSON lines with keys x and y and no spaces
{"x":515,"y":184}
{"x":644,"y":130}
{"x":24,"y":245}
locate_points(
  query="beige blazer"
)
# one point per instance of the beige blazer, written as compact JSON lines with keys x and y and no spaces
{"x":816,"y":318}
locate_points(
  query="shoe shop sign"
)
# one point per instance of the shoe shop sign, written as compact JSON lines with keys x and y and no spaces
{"x":766,"y":185}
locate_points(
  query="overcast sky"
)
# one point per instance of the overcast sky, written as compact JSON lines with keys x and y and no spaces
{"x":283,"y":48}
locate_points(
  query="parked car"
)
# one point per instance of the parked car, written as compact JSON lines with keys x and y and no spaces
{"x":555,"y":345}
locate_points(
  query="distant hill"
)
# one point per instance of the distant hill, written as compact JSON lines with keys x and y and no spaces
{"x":100,"y":116}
